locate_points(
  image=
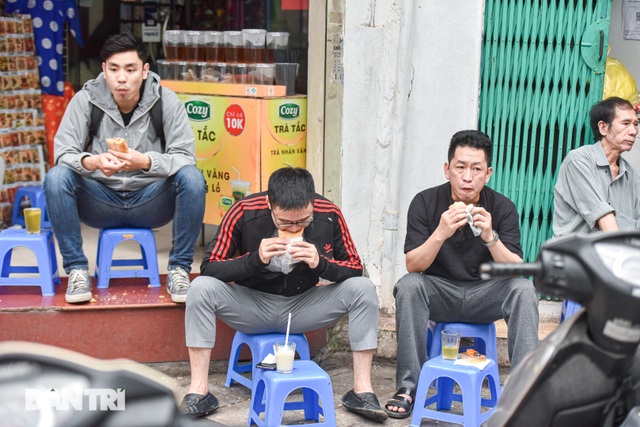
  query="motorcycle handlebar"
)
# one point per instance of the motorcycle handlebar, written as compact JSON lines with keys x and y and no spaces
{"x":494,"y":269}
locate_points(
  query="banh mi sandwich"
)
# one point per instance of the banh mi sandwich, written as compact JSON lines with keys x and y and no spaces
{"x":457,"y":205}
{"x":118,"y":144}
{"x":289,"y":234}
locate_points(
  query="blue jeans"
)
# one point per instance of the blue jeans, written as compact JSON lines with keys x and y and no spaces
{"x":72,"y":199}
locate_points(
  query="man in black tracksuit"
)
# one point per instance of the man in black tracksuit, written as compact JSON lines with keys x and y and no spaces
{"x":252,"y":279}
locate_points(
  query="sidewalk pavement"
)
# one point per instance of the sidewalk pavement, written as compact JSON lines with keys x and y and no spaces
{"x":235,"y":401}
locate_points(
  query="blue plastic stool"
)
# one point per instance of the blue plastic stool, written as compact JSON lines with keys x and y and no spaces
{"x":484,"y":335}
{"x":469,"y":378}
{"x":35,"y":193}
{"x":44,"y":248}
{"x":273,"y":388}
{"x":107,"y":242}
{"x":569,"y":308}
{"x":260,"y":345}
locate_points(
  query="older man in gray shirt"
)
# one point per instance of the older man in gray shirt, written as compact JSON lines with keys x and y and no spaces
{"x":598,"y":190}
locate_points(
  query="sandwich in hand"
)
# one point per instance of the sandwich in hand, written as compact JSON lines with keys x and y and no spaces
{"x":118,"y":144}
{"x":457,"y":205}
{"x":289,"y":234}
{"x":467,"y":208}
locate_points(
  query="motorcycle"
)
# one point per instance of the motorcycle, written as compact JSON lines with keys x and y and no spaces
{"x":47,"y":386}
{"x":587,"y":372}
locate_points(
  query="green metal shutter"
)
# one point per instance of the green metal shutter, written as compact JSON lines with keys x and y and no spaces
{"x":542,"y":70}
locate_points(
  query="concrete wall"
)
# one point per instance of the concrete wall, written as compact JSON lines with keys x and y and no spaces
{"x":411,"y":80}
{"x":627,"y":51}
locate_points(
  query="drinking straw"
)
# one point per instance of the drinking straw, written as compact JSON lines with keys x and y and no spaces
{"x":286,"y":338}
{"x":237,"y":171}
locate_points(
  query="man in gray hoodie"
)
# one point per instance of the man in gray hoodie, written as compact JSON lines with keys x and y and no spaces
{"x":153,"y":182}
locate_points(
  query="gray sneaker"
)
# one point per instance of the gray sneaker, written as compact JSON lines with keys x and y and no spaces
{"x":79,"y":286}
{"x":178,"y":284}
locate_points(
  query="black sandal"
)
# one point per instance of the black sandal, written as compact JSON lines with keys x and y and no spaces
{"x":401,"y":402}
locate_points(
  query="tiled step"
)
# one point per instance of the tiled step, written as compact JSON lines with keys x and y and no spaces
{"x":129,"y":320}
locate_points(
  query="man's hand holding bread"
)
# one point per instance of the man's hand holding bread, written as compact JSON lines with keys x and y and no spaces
{"x":118,"y":158}
{"x":291,"y":242}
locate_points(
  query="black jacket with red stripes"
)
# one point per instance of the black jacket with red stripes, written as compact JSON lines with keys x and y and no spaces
{"x":233,"y":256}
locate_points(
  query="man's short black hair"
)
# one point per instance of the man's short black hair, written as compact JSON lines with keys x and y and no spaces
{"x":605,"y":111}
{"x":473,"y":139}
{"x":123,"y":42}
{"x":291,"y":189}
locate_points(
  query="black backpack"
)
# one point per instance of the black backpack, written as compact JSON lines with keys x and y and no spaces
{"x":156,"y":121}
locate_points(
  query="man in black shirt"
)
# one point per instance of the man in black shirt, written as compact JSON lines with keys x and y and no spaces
{"x":447,"y":241}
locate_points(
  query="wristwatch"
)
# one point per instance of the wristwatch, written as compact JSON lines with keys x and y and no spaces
{"x":493,"y":240}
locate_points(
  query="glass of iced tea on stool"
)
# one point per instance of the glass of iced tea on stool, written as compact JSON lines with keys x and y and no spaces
{"x":32,"y":217}
{"x":450,"y":344}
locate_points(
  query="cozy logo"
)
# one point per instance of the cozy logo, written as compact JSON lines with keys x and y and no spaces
{"x":289,"y":111}
{"x":327,"y":248}
{"x":198,"y":111}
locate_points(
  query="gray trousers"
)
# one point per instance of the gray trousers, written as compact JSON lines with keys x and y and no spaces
{"x":420,"y":298}
{"x":254,"y":312}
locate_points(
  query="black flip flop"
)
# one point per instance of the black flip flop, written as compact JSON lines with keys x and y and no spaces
{"x":401,"y":402}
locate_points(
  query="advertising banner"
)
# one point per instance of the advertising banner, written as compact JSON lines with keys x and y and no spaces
{"x":227,"y":148}
{"x":241,"y":141}
{"x":283,"y":135}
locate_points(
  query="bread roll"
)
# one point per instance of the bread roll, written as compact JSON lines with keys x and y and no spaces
{"x":457,"y":205}
{"x":289,"y":234}
{"x":118,"y":144}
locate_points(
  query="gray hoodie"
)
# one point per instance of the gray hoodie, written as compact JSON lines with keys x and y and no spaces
{"x":139,"y":134}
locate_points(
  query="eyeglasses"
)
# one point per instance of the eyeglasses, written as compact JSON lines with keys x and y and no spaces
{"x":302,"y":223}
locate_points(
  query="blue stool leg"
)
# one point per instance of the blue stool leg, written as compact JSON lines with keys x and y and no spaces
{"x":150,"y":258}
{"x":257,"y":403}
{"x":54,"y":260}
{"x":234,"y":369}
{"x":310,"y":405}
{"x":273,"y":410}
{"x":233,"y":360}
{"x":6,"y":263}
{"x":493,"y":400}
{"x":96,"y":272}
{"x":422,"y":392}
{"x":328,"y":411}
{"x":569,"y":308}
{"x":106,"y":248}
{"x":46,"y":272}
{"x":445,"y":393}
{"x":472,"y":390}
{"x":143,"y":260}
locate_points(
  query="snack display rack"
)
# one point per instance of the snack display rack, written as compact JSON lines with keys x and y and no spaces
{"x":22,"y":131}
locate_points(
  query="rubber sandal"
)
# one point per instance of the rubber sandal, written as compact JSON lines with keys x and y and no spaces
{"x":401,"y":402}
